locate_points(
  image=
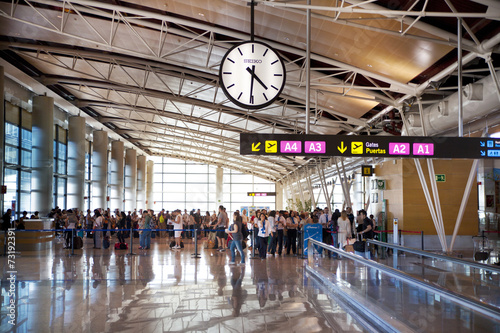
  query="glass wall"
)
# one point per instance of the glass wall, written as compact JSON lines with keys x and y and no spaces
{"x":180,"y":184}
{"x":17,"y":129}
{"x":60,"y":166}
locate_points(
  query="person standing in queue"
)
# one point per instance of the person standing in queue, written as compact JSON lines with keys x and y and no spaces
{"x":222,"y":223}
{"x":237,"y":236}
{"x":280,"y":226}
{"x":264,"y":232}
{"x":291,"y":225}
{"x":176,"y":216}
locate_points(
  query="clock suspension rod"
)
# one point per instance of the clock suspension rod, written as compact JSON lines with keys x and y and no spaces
{"x":252,"y":20}
{"x":308,"y":66}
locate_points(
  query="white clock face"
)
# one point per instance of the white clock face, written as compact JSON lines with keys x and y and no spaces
{"x":252,"y":75}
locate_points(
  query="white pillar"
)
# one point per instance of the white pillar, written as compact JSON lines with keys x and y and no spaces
{"x":141,"y":182}
{"x":219,"y":182}
{"x":76,"y":162}
{"x":130,"y":179}
{"x":116,"y":174}
{"x":149,"y":185}
{"x":279,"y":196}
{"x":42,"y":154}
{"x":99,"y":169}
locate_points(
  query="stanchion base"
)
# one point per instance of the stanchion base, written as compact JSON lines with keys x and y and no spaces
{"x":131,"y":254}
{"x":196,"y":256}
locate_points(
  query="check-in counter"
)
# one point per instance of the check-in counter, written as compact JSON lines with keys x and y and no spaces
{"x":35,"y":240}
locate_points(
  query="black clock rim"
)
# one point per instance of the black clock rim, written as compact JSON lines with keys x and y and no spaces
{"x":241,"y":104}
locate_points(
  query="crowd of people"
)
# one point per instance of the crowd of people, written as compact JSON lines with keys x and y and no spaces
{"x":268,"y":232}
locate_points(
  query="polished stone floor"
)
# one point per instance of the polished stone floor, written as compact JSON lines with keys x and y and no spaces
{"x":163,"y":290}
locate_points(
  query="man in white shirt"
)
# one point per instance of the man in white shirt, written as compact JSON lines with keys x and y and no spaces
{"x":177,"y":229}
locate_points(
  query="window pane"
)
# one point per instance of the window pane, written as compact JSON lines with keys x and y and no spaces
{"x":25,"y":203}
{"x":243,"y":179}
{"x":174,"y":168}
{"x":61,"y":193}
{"x":197,"y":178}
{"x":174,"y":187}
{"x":11,"y":155}
{"x":170,"y":197}
{"x":25,"y":181}
{"x":11,"y":134}
{"x":61,"y":151}
{"x":11,"y":183}
{"x":157,"y":189}
{"x":26,"y":158}
{"x":61,"y":167}
{"x":26,"y":139}
{"x":240,"y":197}
{"x":174,"y":177}
{"x":196,"y":168}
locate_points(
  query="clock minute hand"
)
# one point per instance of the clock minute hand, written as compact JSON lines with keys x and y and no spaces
{"x":252,"y":72}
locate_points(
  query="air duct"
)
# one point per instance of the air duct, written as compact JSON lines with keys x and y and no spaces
{"x":480,"y":99}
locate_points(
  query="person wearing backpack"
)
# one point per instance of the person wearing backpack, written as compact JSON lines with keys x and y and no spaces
{"x":235,"y":232}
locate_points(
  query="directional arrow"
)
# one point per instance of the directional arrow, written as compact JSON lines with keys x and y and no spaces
{"x":482,"y":143}
{"x":255,"y":147}
{"x":342,"y":148}
{"x":483,"y":153}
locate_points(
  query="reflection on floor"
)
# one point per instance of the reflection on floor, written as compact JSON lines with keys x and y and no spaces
{"x":163,"y":290}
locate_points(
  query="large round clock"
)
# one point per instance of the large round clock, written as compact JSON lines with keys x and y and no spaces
{"x":252,"y":75}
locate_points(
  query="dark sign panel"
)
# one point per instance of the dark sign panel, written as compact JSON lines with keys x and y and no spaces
{"x":368,"y":146}
{"x":261,"y":194}
{"x":367,"y":170}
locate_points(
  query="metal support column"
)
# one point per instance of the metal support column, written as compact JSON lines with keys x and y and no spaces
{"x":460,"y":83}
{"x":2,"y":121}
{"x":130,"y":182}
{"x":43,"y":154}
{"x":76,"y":162}
{"x":141,"y":182}
{"x":149,"y":184}
{"x":470,"y":182}
{"x":308,"y":66}
{"x":116,"y":181}
{"x":99,"y":169}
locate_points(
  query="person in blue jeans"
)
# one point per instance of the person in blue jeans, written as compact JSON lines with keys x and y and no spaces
{"x":235,"y":232}
{"x":145,"y":240}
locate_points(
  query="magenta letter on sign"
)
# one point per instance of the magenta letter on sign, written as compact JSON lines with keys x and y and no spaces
{"x":294,"y":147}
{"x":399,"y":148}
{"x":426,"y":149}
{"x":315,"y":147}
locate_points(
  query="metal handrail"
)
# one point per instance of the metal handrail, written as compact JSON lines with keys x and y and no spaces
{"x":475,"y":305}
{"x":437,"y":256}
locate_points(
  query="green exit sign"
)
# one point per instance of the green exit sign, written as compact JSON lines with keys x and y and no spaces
{"x":440,"y":178}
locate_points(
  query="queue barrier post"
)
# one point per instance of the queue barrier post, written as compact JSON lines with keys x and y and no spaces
{"x":253,"y":245}
{"x":131,"y":242}
{"x":73,"y":242}
{"x":422,"y":237}
{"x":195,"y":254}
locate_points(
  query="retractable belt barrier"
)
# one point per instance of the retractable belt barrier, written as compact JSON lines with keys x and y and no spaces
{"x":195,"y":254}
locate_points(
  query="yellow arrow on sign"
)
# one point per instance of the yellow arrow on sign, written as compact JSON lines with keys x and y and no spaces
{"x":342,"y":148}
{"x":255,"y":147}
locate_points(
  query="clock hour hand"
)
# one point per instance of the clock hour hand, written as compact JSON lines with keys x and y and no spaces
{"x":251,"y":83}
{"x":252,"y":72}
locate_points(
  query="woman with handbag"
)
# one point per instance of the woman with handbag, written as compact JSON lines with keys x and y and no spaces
{"x":344,"y":225}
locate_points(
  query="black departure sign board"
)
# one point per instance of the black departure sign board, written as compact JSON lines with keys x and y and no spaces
{"x":261,"y":194}
{"x":368,"y":146}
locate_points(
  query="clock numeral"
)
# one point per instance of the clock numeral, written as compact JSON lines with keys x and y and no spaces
{"x":264,"y":96}
{"x":278,"y":74}
{"x":227,"y":73}
{"x":230,"y":86}
{"x":241,"y":93}
{"x":241,"y":53}
{"x":230,"y":60}
{"x":251,"y":99}
{"x":275,"y":61}
{"x":274,"y":87}
{"x":265,"y":53}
